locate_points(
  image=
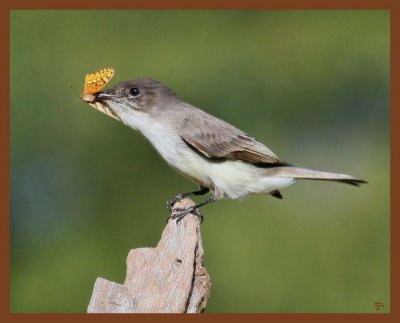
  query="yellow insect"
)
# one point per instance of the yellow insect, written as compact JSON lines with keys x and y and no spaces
{"x":97,"y":81}
{"x":94,"y":83}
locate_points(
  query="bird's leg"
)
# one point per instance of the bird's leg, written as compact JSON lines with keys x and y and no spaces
{"x":179,"y":213}
{"x":202,"y":191}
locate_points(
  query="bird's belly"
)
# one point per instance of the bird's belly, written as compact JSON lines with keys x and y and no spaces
{"x":192,"y":166}
{"x":235,"y":179}
{"x":181,"y":158}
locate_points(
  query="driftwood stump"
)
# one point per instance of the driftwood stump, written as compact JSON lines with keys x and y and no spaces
{"x":169,"y":278}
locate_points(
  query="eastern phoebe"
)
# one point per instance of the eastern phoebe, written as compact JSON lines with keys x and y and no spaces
{"x":207,"y":150}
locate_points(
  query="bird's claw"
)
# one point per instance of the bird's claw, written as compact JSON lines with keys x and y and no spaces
{"x":171,"y":203}
{"x":179,"y":214}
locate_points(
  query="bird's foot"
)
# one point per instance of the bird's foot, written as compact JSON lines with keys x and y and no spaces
{"x":179,"y":197}
{"x":171,"y":203}
{"x":179,"y":213}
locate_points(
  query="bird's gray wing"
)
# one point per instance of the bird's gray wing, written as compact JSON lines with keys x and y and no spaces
{"x":216,"y":139}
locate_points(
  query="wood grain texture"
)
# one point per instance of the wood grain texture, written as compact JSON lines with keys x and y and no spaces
{"x":169,"y":278}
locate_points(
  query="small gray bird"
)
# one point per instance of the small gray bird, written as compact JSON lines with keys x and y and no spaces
{"x":207,"y":150}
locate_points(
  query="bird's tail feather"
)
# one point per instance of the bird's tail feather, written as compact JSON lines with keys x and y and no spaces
{"x":304,"y":173}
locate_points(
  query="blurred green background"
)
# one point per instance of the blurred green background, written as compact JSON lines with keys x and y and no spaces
{"x":312,"y":85}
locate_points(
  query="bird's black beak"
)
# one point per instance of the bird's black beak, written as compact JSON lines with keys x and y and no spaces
{"x":100,"y":96}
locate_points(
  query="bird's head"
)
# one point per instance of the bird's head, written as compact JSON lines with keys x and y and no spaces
{"x":137,"y":97}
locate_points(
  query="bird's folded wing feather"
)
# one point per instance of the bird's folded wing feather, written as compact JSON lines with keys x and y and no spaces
{"x":216,"y":139}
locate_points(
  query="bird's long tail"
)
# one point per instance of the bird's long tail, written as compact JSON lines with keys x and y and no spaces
{"x":304,"y":173}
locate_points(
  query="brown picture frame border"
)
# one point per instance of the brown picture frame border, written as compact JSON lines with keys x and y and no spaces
{"x":6,"y":6}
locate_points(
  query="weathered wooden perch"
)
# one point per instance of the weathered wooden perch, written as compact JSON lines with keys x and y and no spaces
{"x":169,"y":278}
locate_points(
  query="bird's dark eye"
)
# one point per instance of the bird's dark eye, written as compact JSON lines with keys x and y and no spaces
{"x":134,"y":91}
